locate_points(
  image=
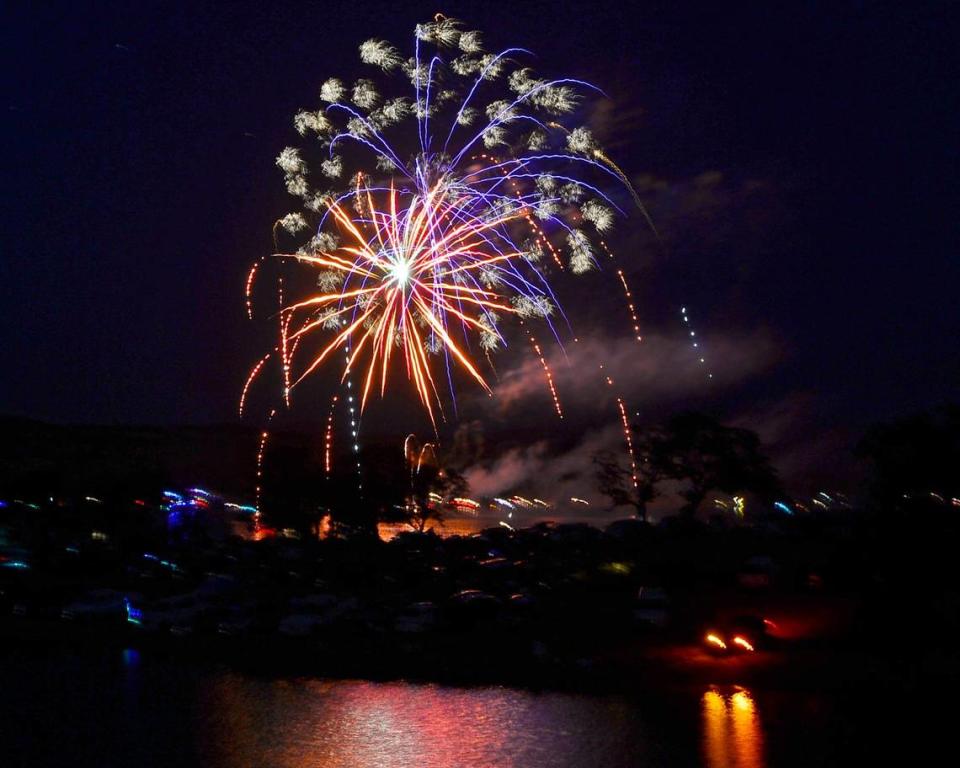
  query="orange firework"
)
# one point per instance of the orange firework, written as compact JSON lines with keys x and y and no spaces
{"x":407,"y":273}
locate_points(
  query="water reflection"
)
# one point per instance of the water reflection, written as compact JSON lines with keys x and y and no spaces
{"x":360,"y":724}
{"x":732,"y":734}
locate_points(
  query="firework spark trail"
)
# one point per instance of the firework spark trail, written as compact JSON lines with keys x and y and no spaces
{"x":328,"y":439}
{"x":694,"y":341}
{"x":261,"y":452}
{"x":548,"y":373}
{"x":248,"y":287}
{"x":627,"y":432}
{"x":633,"y":311}
{"x":250,"y":378}
{"x":354,"y":419}
{"x":627,"y":294}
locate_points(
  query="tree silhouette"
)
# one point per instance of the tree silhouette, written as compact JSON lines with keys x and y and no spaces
{"x":915,"y":458}
{"x":431,"y":484}
{"x":639,"y":487}
{"x":708,"y":456}
{"x":694,"y":449}
{"x":441,"y":483}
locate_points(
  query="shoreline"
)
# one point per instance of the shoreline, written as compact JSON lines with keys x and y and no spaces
{"x":448,"y":661}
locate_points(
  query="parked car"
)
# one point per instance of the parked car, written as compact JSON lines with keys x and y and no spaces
{"x":472,"y":606}
{"x":100,"y":605}
{"x":652,"y":608}
{"x":416,"y":618}
{"x":756,"y":573}
{"x":245,"y":620}
{"x":311,"y":613}
{"x":161,"y":615}
{"x":300,"y":624}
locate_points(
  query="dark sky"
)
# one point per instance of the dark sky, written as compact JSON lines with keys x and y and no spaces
{"x":800,"y":159}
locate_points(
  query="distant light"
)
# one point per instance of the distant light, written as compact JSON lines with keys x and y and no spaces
{"x":134,"y":615}
{"x":575,"y":500}
{"x":743,"y":643}
{"x":782,"y":506}
{"x":714,"y":640}
{"x":240,"y":507}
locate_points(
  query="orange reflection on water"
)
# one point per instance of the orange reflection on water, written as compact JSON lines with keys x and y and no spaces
{"x":732,"y":734}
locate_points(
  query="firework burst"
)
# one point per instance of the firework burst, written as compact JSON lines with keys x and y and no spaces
{"x":464,"y":196}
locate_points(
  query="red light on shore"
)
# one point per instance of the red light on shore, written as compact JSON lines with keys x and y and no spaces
{"x":716,"y":641}
{"x":743,"y":643}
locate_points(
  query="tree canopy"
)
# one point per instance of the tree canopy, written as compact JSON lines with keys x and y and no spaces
{"x":695,"y":450}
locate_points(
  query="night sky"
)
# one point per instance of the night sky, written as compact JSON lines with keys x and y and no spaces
{"x":800,"y":160}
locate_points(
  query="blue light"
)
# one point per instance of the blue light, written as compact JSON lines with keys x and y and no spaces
{"x":782,"y":506}
{"x":164,"y":563}
{"x":172,"y":495}
{"x":241,"y":507}
{"x":134,"y":615}
{"x":18,"y":564}
{"x":2,"y":503}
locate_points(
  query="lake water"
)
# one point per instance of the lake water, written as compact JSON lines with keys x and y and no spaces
{"x":114,"y":707}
